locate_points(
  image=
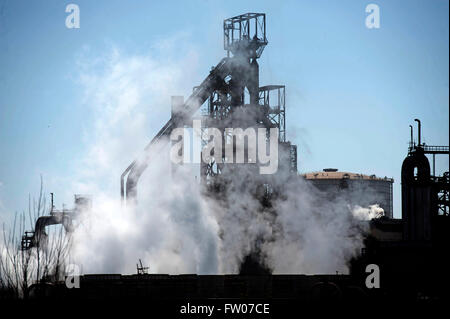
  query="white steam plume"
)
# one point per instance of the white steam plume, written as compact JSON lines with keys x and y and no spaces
{"x":367,"y":213}
{"x":174,"y":229}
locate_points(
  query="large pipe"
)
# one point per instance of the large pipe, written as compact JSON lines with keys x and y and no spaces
{"x":138,"y":166}
{"x":412,"y":137}
{"x":418,"y":124}
{"x":122,"y":182}
{"x":130,"y":177}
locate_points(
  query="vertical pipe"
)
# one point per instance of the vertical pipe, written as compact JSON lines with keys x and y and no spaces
{"x":412,"y":137}
{"x":434,"y":165}
{"x":391,"y":199}
{"x":264,"y":35}
{"x":284,"y":113}
{"x":122,"y":190}
{"x":418,"y":124}
{"x":225,"y":38}
{"x":253,"y":82}
{"x":264,"y":28}
{"x":240,"y":30}
{"x":278,"y":110}
{"x":232,"y":31}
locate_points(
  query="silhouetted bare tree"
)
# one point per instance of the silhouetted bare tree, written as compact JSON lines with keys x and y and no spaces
{"x":21,"y":268}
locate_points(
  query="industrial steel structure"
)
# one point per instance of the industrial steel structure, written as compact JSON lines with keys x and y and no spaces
{"x":38,"y":237}
{"x":425,"y":196}
{"x":411,"y":251}
{"x":233,"y":98}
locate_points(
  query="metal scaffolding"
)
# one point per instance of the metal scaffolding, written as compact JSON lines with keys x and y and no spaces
{"x":233,"y":98}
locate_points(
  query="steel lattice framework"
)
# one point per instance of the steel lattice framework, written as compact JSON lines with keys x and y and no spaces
{"x":231,"y":97}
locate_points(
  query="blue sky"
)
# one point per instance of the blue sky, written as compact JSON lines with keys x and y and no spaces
{"x":351,"y":91}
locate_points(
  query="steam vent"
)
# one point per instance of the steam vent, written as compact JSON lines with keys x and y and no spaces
{"x":360,"y":189}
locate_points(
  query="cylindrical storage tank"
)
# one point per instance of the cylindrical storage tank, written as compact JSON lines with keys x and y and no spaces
{"x":358,"y":189}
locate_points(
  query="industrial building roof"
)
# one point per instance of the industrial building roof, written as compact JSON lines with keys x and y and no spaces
{"x":334,"y":174}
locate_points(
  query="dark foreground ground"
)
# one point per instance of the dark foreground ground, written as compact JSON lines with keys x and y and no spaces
{"x":219,"y":296}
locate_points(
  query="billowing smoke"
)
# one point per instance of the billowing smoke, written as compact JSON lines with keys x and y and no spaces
{"x":368,"y":213}
{"x":300,"y":233}
{"x":175,"y":228}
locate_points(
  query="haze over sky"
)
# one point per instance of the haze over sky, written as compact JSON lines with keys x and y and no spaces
{"x":351,"y":91}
